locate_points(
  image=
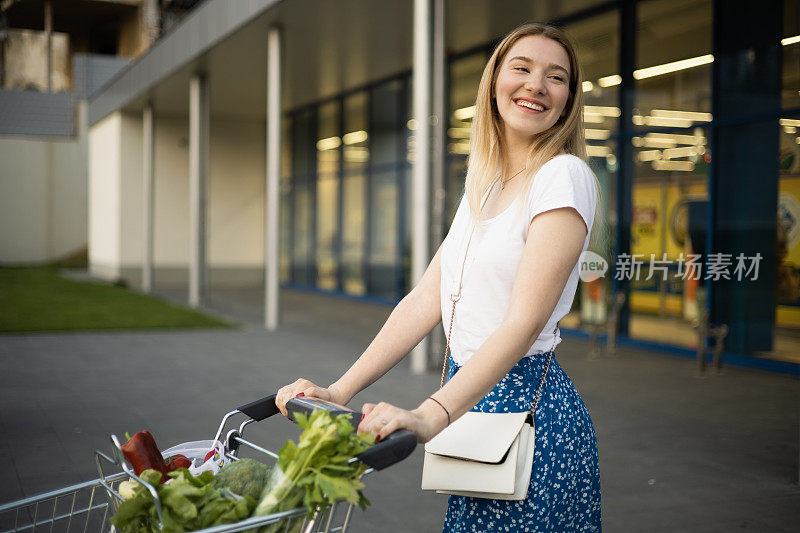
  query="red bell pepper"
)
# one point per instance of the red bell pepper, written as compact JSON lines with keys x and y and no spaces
{"x":142,"y":453}
{"x":175,"y":462}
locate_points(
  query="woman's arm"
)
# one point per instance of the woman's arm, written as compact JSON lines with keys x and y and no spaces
{"x":411,"y":320}
{"x":553,"y":247}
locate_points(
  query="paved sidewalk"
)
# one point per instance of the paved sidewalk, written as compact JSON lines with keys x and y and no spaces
{"x":677,"y":452}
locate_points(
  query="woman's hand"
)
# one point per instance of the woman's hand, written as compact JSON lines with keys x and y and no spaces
{"x":383,"y":419}
{"x":304,"y":387}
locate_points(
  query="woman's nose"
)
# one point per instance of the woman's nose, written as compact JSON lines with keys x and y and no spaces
{"x":535,"y":84}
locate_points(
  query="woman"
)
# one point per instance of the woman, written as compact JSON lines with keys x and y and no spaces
{"x":533,"y":203}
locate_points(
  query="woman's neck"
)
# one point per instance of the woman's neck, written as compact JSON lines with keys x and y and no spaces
{"x":516,"y":153}
{"x":515,"y":160}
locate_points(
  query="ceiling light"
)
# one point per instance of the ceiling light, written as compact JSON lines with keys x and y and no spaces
{"x":355,"y":137}
{"x":790,"y":40}
{"x":597,"y":151}
{"x":329,"y":143}
{"x":610,"y":81}
{"x":681,"y":166}
{"x":684,"y":115}
{"x":675,"y":66}
{"x":607,"y":111}
{"x":599,"y":135}
{"x":465,"y":113}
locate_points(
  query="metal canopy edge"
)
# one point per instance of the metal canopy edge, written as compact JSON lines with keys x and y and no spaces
{"x":201,"y":29}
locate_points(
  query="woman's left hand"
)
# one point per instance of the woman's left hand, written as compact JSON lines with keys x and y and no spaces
{"x":383,"y":419}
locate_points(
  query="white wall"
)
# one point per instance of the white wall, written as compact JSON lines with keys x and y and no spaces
{"x":235,"y":215}
{"x":171,"y":225}
{"x":236,"y":199}
{"x":104,"y":196}
{"x":43,"y":196}
{"x":131,"y":190}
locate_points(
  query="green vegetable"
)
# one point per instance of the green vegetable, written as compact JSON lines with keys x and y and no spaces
{"x":127,"y":489}
{"x":246,"y":477}
{"x":315,"y":471}
{"x":187,"y":503}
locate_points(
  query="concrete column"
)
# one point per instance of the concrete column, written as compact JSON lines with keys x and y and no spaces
{"x":148,"y":182}
{"x":421,"y":179}
{"x":48,"y":32}
{"x":272,"y":184}
{"x":198,"y":179}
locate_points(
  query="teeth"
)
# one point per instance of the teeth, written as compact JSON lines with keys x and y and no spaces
{"x":523,"y":103}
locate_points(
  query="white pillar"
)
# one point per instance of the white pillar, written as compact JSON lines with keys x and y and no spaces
{"x":420,"y":224}
{"x":438,"y":169}
{"x":272,"y":184}
{"x":48,"y":32}
{"x":148,"y":148}
{"x":198,"y":179}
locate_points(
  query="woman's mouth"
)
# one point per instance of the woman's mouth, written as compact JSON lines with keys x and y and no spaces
{"x":530,"y":107}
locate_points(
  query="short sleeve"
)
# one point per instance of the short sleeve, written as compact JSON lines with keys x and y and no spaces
{"x":564,"y":181}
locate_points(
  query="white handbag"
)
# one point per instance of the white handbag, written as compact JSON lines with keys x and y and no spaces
{"x":482,"y":455}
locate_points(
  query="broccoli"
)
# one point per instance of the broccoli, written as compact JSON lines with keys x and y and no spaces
{"x":245,"y":477}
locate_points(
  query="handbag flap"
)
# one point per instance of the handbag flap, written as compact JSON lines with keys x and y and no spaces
{"x":484,"y":437}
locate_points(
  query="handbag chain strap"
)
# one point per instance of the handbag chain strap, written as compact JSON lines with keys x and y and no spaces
{"x":456,"y":296}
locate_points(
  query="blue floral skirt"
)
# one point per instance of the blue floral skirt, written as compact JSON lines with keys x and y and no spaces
{"x":564,"y":492}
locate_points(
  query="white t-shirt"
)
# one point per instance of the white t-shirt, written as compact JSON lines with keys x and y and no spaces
{"x":496,"y":250}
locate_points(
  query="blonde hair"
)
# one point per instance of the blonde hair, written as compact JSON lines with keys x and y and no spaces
{"x":487,"y":145}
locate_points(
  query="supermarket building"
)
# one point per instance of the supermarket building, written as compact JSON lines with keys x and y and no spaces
{"x":266,"y":144}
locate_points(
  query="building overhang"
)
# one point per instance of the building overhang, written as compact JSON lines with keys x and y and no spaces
{"x":328,"y":47}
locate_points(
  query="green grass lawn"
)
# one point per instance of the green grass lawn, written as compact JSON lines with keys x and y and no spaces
{"x":38,"y":299}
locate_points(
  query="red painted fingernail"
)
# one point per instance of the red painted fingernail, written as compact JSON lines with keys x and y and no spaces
{"x":301,"y":394}
{"x":362,"y":416}
{"x":379,"y":437}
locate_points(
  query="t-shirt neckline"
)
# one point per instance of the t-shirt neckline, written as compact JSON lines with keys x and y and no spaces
{"x":500,"y":214}
{"x":507,"y":209}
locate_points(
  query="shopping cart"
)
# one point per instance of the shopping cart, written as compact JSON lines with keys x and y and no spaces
{"x":88,"y":506}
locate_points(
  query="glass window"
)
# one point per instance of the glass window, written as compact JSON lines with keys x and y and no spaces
{"x":286,"y":147}
{"x":355,"y":142}
{"x":791,"y":55}
{"x":597,"y":44}
{"x":387,"y":124}
{"x":328,"y":146}
{"x":671,"y":159}
{"x":383,"y":234}
{"x":304,"y":155}
{"x":669,"y":222}
{"x":356,"y":139}
{"x":327,"y":225}
{"x":286,"y":201}
{"x":354,"y":233}
{"x":329,"y":142}
{"x":674,"y":64}
{"x":302,"y":233}
{"x":787,"y":285}
{"x":465,"y":76}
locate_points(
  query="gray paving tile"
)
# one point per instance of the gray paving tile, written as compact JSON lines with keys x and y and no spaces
{"x":677,"y":453}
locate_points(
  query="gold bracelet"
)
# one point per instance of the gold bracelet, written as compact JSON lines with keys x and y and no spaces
{"x":443,"y":407}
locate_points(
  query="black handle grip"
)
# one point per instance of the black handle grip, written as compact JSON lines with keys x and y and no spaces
{"x":261,"y":409}
{"x":389,"y":450}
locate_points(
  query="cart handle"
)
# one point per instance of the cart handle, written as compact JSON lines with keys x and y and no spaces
{"x":390,"y":450}
{"x":260,"y":409}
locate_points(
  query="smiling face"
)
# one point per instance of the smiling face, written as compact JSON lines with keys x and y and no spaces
{"x":532,"y":88}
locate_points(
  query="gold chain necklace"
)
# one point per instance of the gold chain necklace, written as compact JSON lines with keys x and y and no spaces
{"x":503,"y":182}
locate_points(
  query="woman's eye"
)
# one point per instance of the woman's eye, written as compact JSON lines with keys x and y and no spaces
{"x":521,"y":68}
{"x":559,"y":78}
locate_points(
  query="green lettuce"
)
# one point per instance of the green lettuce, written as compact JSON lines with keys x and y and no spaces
{"x":315,"y":473}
